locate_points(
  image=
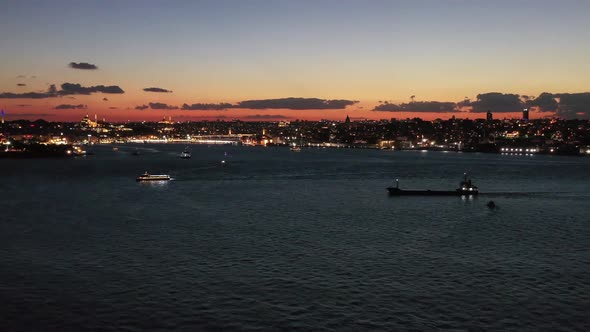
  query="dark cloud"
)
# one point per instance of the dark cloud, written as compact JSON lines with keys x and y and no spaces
{"x":69,"y":107}
{"x":77,"y":89}
{"x":26,"y":95}
{"x":21,"y":84}
{"x":497,"y":103}
{"x":545,"y":102}
{"x":83,"y":65}
{"x":265,"y":116}
{"x":296,"y":104}
{"x":157,"y":90}
{"x":113,"y":108}
{"x":418,"y":106}
{"x":105,"y":99}
{"x":24,"y":105}
{"x":206,"y":107}
{"x":66,"y":89}
{"x":142,"y":107}
{"x":162,"y":106}
{"x":573,"y":105}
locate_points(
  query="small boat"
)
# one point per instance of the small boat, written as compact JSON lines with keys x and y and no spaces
{"x":186,"y":154}
{"x":115,"y":148}
{"x":295,"y":148}
{"x":466,"y":188}
{"x":153,"y":177}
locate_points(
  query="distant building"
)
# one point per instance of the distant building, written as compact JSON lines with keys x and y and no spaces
{"x":525,"y":114}
{"x":490,"y":116}
{"x":166,"y":121}
{"x":88,"y":123}
{"x":347,"y":119}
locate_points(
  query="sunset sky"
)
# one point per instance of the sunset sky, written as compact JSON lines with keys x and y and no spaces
{"x":250,"y":56}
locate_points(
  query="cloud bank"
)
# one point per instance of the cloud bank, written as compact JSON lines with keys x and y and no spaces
{"x":77,"y":89}
{"x":66,"y":89}
{"x":69,"y":107}
{"x":162,"y":106}
{"x":497,"y":103}
{"x":296,"y":104}
{"x":206,"y":107}
{"x":418,"y":107}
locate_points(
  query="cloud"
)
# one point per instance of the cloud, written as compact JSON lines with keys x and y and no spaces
{"x":24,"y":105}
{"x":77,"y":89}
{"x":105,"y":99}
{"x":21,"y":76}
{"x":21,"y":84}
{"x":265,"y":116}
{"x":142,"y":107}
{"x":545,"y":102}
{"x":296,"y":104}
{"x":418,"y":106}
{"x":83,"y":65}
{"x":162,"y":106}
{"x":497,"y":103}
{"x":66,"y":89}
{"x":113,"y":108}
{"x":573,"y":105}
{"x":206,"y":107}
{"x":157,"y":90}
{"x":69,"y":107}
{"x":26,"y":95}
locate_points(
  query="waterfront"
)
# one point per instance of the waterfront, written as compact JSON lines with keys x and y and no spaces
{"x":282,"y":240}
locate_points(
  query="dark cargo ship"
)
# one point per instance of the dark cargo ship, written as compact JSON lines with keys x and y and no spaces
{"x":466,"y":188}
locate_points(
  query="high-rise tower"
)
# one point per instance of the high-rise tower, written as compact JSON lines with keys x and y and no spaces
{"x":525,"y":114}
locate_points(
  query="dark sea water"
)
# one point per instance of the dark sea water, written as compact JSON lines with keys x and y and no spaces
{"x":279,"y":240}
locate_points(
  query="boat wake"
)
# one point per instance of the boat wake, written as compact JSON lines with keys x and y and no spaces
{"x":532,"y":193}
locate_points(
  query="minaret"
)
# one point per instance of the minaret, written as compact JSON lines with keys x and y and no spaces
{"x":2,"y":116}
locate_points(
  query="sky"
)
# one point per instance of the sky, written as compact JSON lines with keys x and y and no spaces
{"x":273,"y":60}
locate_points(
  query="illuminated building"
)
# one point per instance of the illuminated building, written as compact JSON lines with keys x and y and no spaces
{"x":490,"y":116}
{"x":164,"y":121}
{"x":525,"y":114}
{"x":88,"y":123}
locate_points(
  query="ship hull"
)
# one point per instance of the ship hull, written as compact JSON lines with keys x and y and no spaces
{"x":152,"y":178}
{"x":402,"y":192}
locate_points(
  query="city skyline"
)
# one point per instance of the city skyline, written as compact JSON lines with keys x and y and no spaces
{"x":294,"y":60}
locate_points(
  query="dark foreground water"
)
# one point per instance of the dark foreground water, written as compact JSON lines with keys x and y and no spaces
{"x":279,"y":240}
